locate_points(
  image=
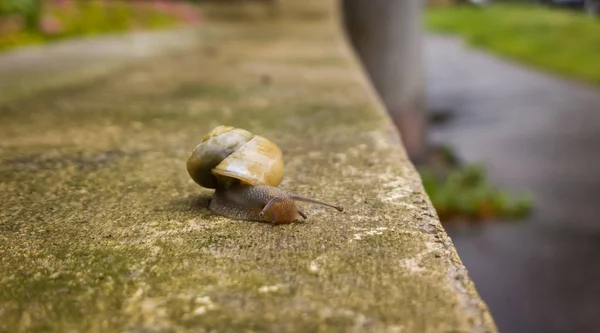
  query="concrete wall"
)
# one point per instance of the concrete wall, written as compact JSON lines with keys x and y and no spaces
{"x":102,"y":229}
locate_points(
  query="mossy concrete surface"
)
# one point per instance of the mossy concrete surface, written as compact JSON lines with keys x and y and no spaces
{"x":102,"y":229}
{"x":26,"y":71}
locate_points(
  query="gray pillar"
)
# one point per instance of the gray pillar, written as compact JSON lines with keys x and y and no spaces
{"x":386,"y":35}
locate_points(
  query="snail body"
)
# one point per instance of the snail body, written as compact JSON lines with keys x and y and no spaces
{"x":245,"y":170}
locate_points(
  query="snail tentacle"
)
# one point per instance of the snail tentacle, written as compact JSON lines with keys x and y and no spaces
{"x":315,"y":201}
{"x":268,"y":205}
{"x":301,"y":213}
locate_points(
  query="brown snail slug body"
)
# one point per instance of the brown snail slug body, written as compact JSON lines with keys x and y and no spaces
{"x":260,"y":203}
{"x":245,"y":169}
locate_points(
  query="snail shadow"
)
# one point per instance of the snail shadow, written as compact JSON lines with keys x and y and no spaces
{"x":195,"y":204}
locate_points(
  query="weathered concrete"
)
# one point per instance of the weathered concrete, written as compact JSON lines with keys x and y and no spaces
{"x":101,"y":228}
{"x":26,"y":71}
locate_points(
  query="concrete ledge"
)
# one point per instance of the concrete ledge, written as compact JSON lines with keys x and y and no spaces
{"x":102,"y":230}
{"x":30,"y":70}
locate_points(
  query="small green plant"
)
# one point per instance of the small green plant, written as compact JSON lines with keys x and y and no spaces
{"x":464,"y":193}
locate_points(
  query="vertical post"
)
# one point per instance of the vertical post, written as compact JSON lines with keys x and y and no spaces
{"x":386,"y":35}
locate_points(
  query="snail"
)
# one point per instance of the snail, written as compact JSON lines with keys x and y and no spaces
{"x":245,"y":169}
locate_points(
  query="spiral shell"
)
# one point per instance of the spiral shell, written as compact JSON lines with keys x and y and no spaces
{"x":228,"y":153}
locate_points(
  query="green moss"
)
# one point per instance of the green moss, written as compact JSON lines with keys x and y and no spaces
{"x":135,"y":215}
{"x":203,"y":90}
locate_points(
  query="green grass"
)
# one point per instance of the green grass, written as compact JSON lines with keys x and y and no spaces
{"x":88,"y":18}
{"x":560,"y":41}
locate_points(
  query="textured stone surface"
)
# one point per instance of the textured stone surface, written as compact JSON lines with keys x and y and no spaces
{"x":102,"y":229}
{"x":26,"y":71}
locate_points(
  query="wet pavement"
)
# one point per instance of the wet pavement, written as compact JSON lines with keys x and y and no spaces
{"x":536,"y":133}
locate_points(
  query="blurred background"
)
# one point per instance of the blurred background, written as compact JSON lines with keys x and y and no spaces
{"x":26,"y":22}
{"x":498,"y":104}
{"x":516,"y":86}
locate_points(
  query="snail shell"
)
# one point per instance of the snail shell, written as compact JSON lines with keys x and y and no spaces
{"x":229,"y":156}
{"x":245,"y":169}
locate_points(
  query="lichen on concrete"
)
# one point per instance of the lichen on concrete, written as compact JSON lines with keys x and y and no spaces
{"x":102,"y":230}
